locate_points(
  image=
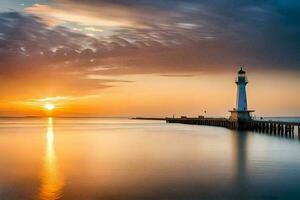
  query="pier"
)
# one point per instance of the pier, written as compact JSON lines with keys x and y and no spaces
{"x":276,"y":128}
{"x":220,"y":122}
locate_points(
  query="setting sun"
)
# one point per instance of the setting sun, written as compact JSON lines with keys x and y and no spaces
{"x":49,"y":106}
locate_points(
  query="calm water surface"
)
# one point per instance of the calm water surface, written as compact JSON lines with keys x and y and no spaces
{"x":120,"y":159}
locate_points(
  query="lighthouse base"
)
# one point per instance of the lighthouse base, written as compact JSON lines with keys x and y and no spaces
{"x":238,"y":116}
{"x":241,"y":118}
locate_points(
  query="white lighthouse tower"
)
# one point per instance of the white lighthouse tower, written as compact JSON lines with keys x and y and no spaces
{"x":241,"y":112}
{"x":241,"y":99}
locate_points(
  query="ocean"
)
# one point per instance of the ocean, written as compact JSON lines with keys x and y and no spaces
{"x":122,"y":159}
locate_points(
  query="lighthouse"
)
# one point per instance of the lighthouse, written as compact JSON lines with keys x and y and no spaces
{"x":241,"y":98}
{"x":241,"y":112}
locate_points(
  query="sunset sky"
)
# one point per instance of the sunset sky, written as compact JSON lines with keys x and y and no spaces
{"x":148,"y":57}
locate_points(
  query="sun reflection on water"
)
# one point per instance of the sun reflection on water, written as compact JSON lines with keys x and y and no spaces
{"x":52,"y":181}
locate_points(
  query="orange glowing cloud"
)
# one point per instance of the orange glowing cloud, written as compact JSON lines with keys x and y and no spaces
{"x":85,"y":15}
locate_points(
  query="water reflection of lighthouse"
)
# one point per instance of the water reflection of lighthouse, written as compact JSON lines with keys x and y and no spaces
{"x":52,"y":181}
{"x":240,"y":140}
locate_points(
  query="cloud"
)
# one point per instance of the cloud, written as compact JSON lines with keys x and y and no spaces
{"x":178,"y":75}
{"x":141,"y":37}
{"x":256,"y":33}
{"x":83,"y":15}
{"x":40,"y":61}
{"x":112,"y":16}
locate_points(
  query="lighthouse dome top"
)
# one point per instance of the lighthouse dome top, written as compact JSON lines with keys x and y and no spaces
{"x":241,"y":71}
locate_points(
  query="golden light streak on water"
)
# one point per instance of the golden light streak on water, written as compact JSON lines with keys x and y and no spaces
{"x":52,"y":181}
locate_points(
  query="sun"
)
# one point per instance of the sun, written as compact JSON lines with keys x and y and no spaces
{"x":49,"y":106}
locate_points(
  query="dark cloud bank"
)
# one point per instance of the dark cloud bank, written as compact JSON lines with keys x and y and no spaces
{"x":200,"y":36}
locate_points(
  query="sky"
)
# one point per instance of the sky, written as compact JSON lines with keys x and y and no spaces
{"x":148,"y":57}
